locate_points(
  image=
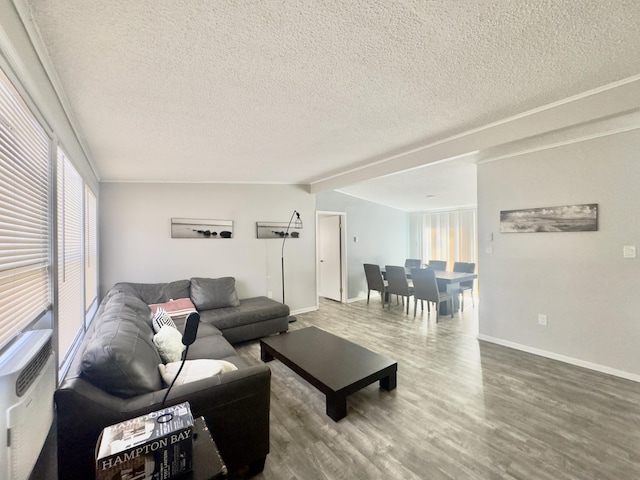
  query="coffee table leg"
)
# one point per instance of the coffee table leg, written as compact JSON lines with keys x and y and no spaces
{"x":264,"y":355}
{"x":336,"y":406}
{"x":390,"y":382}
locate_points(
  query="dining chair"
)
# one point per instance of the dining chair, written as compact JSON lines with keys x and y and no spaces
{"x":425,"y":287}
{"x":465,"y":267}
{"x":398,"y":284}
{"x":410,"y":263}
{"x":438,"y":265}
{"x":375,"y":281}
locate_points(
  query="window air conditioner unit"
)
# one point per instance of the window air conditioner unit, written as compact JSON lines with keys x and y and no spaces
{"x":27,"y":383}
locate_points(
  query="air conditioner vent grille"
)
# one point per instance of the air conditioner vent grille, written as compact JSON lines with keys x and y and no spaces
{"x":30,"y":372}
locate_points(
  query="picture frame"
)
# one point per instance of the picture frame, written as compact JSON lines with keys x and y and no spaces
{"x":564,"y":218}
{"x":276,"y":230}
{"x":201,"y":228}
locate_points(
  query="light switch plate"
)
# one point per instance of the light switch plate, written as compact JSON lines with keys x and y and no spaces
{"x":629,"y":251}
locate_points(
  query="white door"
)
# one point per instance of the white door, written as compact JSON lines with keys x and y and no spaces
{"x":330,"y":257}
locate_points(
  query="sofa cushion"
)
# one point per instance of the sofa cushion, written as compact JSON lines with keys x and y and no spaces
{"x":123,"y":306}
{"x":155,"y":292}
{"x":204,"y":329}
{"x":250,"y":310}
{"x":213,"y":346}
{"x":122,"y":360}
{"x":210,"y":293}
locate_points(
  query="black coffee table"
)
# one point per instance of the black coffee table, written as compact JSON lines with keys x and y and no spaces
{"x":335,"y":366}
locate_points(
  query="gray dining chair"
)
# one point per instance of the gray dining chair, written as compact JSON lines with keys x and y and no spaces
{"x":425,"y":287}
{"x":438,"y":265}
{"x":465,"y":267}
{"x":375,"y":281}
{"x":398,"y":284}
{"x":410,"y":263}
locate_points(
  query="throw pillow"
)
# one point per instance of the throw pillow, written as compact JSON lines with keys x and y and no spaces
{"x":162,"y":318}
{"x":194,"y":370}
{"x":178,"y":308}
{"x":210,"y":293}
{"x":169,"y":343}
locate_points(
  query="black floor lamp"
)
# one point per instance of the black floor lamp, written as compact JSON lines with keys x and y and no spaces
{"x":297,"y":224}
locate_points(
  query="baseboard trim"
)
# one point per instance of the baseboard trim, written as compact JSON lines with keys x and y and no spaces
{"x":356,"y":299}
{"x":562,"y":358}
{"x":303,"y":310}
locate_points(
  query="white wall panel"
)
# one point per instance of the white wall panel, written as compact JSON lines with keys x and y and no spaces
{"x":579,"y":280}
{"x":136,"y":243}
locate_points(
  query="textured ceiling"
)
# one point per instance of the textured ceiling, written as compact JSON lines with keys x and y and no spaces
{"x":301,"y":91}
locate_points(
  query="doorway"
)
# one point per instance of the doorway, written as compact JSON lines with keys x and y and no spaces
{"x":330,"y":255}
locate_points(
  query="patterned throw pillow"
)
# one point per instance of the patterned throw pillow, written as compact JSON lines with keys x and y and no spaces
{"x":162,"y":318}
{"x":180,"y":308}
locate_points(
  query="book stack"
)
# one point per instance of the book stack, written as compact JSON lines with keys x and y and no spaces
{"x":155,"y":446}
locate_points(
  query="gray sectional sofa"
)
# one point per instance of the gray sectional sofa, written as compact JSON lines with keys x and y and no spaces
{"x":114,"y":375}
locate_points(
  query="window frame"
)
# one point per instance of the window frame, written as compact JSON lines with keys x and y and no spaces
{"x":15,"y":75}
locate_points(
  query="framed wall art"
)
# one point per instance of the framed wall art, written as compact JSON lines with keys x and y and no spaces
{"x":276,"y":230}
{"x":566,"y":218}
{"x":199,"y":228}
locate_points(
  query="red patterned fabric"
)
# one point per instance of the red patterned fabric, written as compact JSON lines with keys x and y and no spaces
{"x":175,"y":308}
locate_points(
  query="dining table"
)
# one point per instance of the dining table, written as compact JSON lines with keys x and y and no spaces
{"x":451,"y":282}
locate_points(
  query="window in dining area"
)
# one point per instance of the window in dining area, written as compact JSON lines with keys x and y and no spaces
{"x":450,"y":235}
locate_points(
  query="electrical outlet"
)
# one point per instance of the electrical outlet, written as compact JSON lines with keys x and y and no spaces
{"x":270,"y":294}
{"x":542,"y":319}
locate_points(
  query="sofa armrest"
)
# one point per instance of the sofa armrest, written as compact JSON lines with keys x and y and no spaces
{"x":235,"y":406}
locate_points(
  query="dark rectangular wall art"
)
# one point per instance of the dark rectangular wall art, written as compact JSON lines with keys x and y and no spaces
{"x":198,"y":228}
{"x":276,"y":230}
{"x":566,"y":218}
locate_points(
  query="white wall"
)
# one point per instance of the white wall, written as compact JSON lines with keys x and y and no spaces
{"x":382,"y":234}
{"x":580,"y":280}
{"x":136,"y":243}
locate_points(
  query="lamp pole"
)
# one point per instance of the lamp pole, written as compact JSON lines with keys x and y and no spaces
{"x":284,"y":239}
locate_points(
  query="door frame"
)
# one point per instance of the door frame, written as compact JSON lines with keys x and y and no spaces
{"x":343,"y":253}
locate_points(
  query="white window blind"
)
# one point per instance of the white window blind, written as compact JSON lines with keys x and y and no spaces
{"x":70,"y":255}
{"x":90,"y":248}
{"x":24,"y":214}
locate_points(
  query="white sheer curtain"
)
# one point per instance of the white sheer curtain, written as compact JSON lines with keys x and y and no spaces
{"x":450,"y":236}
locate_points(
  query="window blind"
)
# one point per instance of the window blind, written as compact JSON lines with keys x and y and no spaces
{"x":70,"y":255}
{"x":24,"y":214}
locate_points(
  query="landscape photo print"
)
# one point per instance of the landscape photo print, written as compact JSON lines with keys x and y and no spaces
{"x":566,"y":218}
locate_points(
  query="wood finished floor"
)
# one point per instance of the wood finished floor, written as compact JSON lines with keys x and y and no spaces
{"x":463,"y":409}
